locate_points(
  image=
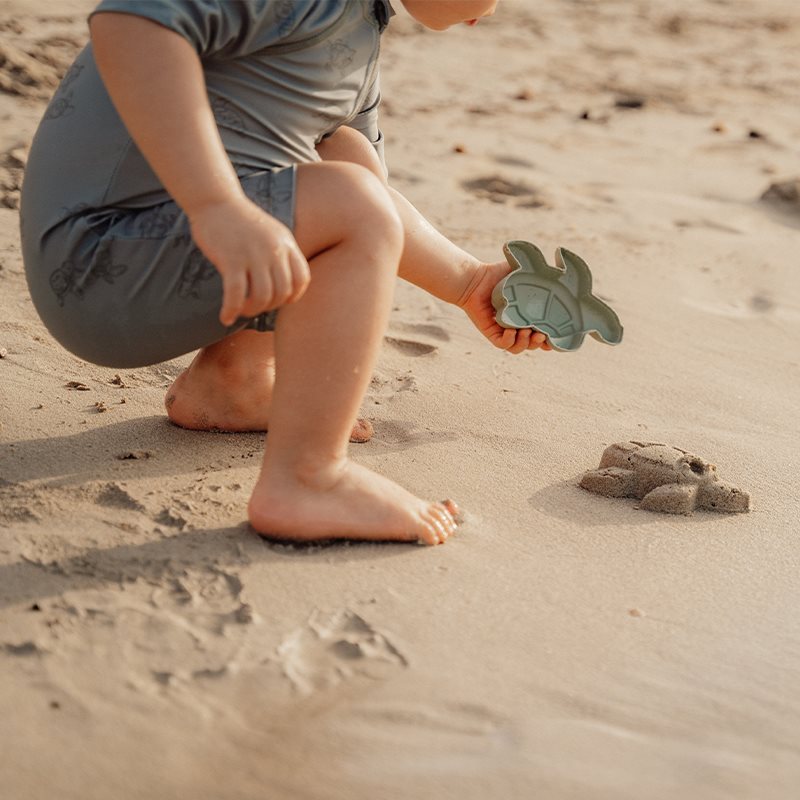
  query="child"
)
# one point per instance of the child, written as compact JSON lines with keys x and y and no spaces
{"x":209,"y":171}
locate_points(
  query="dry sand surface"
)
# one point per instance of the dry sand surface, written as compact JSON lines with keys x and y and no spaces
{"x":564,"y":645}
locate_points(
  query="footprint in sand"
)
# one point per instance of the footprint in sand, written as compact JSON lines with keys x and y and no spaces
{"x":335,"y":647}
{"x":708,"y":224}
{"x":12,"y":166}
{"x":409,"y":347}
{"x":758,"y":305}
{"x":384,"y":386}
{"x":472,"y":735}
{"x":113,"y":495}
{"x":423,"y":329}
{"x":783,"y":200}
{"x":514,"y":161}
{"x":500,"y":190}
{"x":22,"y":74}
{"x":460,"y":718}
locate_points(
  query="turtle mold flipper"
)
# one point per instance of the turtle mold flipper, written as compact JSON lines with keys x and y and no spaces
{"x":610,"y":482}
{"x":577,"y":275}
{"x":671,"y":498}
{"x":617,"y":455}
{"x":723,"y":496}
{"x":599,"y":319}
{"x":601,"y":322}
{"x":527,"y":257}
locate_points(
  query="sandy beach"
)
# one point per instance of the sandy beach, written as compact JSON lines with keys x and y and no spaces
{"x":564,"y":646}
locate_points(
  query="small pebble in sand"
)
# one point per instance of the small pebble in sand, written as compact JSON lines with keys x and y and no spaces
{"x":719,"y":127}
{"x":100,"y":407}
{"x":674,"y":25}
{"x":635,"y":612}
{"x":783,"y":193}
{"x":77,"y":386}
{"x":459,"y":148}
{"x":117,"y":381}
{"x":524,"y":94}
{"x":754,"y":134}
{"x":3,"y":352}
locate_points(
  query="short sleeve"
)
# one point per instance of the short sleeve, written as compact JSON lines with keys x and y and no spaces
{"x":366,"y":121}
{"x":212,"y":27}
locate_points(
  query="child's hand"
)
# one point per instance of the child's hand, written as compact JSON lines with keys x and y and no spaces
{"x":477,"y":303}
{"x":257,"y":256}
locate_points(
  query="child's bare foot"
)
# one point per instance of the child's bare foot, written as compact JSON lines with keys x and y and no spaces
{"x":345,"y":501}
{"x":218,"y":395}
{"x":203,"y":398}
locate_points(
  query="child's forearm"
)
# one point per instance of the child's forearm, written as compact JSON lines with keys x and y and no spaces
{"x":430,"y":260}
{"x":155,"y":79}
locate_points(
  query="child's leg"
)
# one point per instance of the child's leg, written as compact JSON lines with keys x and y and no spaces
{"x":326,"y":345}
{"x":228,"y":387}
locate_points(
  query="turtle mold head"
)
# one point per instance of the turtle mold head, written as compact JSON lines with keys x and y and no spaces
{"x":696,"y":470}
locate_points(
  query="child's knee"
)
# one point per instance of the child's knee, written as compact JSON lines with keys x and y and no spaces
{"x":345,"y":203}
{"x":372,"y":210}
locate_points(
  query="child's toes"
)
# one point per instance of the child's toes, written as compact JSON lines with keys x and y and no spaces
{"x":430,"y":532}
{"x":437,"y":521}
{"x":445,"y":519}
{"x":452,"y":509}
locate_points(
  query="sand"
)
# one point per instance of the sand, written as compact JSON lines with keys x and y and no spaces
{"x":564,"y":645}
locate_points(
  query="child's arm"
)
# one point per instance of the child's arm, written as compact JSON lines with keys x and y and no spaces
{"x":155,"y":79}
{"x":434,"y":263}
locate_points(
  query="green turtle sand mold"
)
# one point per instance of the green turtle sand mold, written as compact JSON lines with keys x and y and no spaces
{"x":664,"y":479}
{"x":556,"y":301}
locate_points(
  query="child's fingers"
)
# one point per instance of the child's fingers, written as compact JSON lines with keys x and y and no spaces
{"x":507,"y":338}
{"x":260,"y":293}
{"x":521,"y":342}
{"x":301,"y":275}
{"x":538,"y":340}
{"x":234,"y":290}
{"x":282,"y":284}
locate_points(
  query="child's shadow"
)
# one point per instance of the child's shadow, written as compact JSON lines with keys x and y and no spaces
{"x":143,"y":447}
{"x":217,"y":551}
{"x":162,"y":449}
{"x":148,"y":447}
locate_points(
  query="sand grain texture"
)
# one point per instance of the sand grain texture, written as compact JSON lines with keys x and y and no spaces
{"x":564,"y":645}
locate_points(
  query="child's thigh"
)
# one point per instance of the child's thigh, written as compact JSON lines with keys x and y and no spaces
{"x":348,"y":144}
{"x":134,"y":289}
